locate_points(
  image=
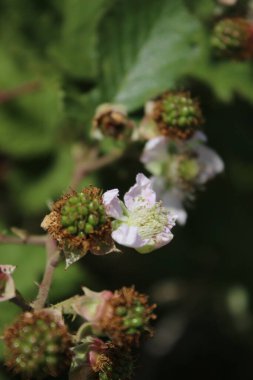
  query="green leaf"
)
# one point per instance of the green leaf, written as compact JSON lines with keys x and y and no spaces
{"x":30,"y":122}
{"x":75,"y":52}
{"x":33,"y":192}
{"x":225,"y":77}
{"x":144,"y":49}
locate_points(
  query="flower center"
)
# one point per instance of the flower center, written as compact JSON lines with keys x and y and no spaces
{"x":150,"y":221}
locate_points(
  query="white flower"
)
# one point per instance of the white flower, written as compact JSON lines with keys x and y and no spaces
{"x":162,"y":157}
{"x":141,"y":222}
{"x":172,"y":199}
{"x":210,"y":164}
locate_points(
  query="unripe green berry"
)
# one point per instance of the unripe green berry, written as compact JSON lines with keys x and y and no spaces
{"x":131,"y":331}
{"x":72,"y":230}
{"x":88,"y":228}
{"x":139,"y":309}
{"x":136,"y":322}
{"x":121,"y":311}
{"x":93,"y":220}
{"x":127,"y":322}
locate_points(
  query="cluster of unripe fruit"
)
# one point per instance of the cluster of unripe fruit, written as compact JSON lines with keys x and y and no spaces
{"x":81,"y":215}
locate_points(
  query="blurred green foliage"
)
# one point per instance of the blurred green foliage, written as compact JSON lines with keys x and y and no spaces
{"x":79,"y":54}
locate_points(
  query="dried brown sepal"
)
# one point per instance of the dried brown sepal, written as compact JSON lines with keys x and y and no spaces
{"x":112,"y":121}
{"x":98,"y":241}
{"x":111,"y":362}
{"x":125,"y":328}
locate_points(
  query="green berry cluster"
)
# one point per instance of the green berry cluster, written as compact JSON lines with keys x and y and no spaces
{"x":229,"y":36}
{"x":37,"y":346}
{"x":81,"y":215}
{"x":133,"y":317}
{"x":180,"y":110}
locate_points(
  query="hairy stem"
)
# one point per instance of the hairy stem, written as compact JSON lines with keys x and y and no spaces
{"x":53,"y":258}
{"x":25,"y":239}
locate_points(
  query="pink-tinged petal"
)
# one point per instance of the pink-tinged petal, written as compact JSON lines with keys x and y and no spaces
{"x":155,"y":150}
{"x":112,"y":203}
{"x":7,"y":286}
{"x":163,"y":238}
{"x":128,"y":236}
{"x":92,"y":305}
{"x":210,"y":164}
{"x":141,"y":194}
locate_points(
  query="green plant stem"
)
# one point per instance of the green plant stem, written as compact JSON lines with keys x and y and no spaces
{"x":53,"y":258}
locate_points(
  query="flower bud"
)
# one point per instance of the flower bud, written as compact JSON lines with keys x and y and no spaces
{"x":233,"y":37}
{"x":38,"y":345}
{"x":112,"y":121}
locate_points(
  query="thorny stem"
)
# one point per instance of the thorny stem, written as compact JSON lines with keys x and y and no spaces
{"x":53,"y":258}
{"x":6,"y":96}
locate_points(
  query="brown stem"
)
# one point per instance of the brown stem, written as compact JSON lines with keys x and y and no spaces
{"x":6,"y":96}
{"x":26,"y":239}
{"x":82,"y":169}
{"x":20,"y":302}
{"x":53,"y":258}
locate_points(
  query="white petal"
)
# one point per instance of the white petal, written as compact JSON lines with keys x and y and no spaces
{"x":163,"y":238}
{"x":172,"y":199}
{"x":128,"y":236}
{"x":155,"y":150}
{"x":141,"y":194}
{"x":112,"y":203}
{"x":210,"y":163}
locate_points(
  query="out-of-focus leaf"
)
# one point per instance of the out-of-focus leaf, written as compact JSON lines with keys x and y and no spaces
{"x":145,"y":48}
{"x":49,"y":184}
{"x":225,"y":77}
{"x":29,"y":123}
{"x":30,"y":262}
{"x":76,"y":50}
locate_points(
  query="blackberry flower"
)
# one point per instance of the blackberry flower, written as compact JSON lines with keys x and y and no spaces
{"x":179,"y":169}
{"x":141,"y":223}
